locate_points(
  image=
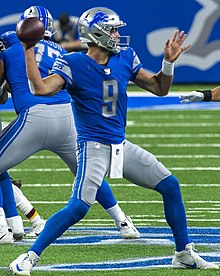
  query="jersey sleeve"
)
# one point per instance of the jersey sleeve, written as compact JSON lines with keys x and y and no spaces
{"x":61,"y":67}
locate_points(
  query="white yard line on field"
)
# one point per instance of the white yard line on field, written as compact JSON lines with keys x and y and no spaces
{"x":179,"y":145}
{"x":201,"y":156}
{"x":172,"y":116}
{"x":137,"y":202}
{"x":173,"y":135}
{"x":36,"y":185}
{"x":67,"y":169}
{"x":131,"y":123}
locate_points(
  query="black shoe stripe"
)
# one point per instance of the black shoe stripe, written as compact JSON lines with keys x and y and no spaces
{"x":3,"y":236}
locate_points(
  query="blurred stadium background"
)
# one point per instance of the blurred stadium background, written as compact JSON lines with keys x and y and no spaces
{"x":150,"y":23}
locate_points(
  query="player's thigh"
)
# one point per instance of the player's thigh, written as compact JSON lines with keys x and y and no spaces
{"x":23,"y":137}
{"x":93,"y":163}
{"x":141,"y":167}
{"x":66,"y":149}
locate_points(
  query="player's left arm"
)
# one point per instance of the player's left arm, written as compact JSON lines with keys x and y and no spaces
{"x":159,"y":84}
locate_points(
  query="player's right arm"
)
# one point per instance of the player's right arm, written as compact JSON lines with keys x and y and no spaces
{"x":47,"y":86}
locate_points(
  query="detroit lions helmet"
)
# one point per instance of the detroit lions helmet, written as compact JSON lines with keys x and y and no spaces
{"x":96,"y":26}
{"x":42,"y":14}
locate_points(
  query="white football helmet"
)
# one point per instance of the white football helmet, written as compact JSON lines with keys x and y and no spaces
{"x":42,"y":14}
{"x":96,"y":26}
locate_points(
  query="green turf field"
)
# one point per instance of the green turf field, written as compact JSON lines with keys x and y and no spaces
{"x":187,"y":142}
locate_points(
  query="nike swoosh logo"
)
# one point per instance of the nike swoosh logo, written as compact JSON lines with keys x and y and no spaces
{"x":190,"y":266}
{"x":3,"y":236}
{"x":18,"y":268}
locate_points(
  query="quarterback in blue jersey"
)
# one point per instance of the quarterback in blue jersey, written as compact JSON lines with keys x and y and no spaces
{"x":97,"y":82}
{"x":45,"y":123}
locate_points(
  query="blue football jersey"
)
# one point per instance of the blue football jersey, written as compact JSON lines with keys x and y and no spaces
{"x":99,"y":93}
{"x":14,"y":62}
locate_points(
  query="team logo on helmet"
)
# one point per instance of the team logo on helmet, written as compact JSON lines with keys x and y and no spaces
{"x":98,"y":17}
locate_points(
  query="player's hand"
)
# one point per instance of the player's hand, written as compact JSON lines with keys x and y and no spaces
{"x":173,"y":48}
{"x":192,"y":97}
{"x":28,"y":45}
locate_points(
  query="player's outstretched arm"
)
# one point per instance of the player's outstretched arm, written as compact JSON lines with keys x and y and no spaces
{"x":160,"y":83}
{"x":201,"y":95}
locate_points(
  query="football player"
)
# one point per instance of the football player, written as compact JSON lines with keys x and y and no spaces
{"x":97,"y":82}
{"x":18,"y":201}
{"x":11,"y":225}
{"x":45,"y":123}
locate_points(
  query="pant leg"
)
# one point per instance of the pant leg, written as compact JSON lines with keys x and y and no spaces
{"x":93,"y":160}
{"x":141,"y":167}
{"x":22,"y":138}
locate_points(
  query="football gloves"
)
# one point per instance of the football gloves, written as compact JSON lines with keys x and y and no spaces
{"x":196,"y":96}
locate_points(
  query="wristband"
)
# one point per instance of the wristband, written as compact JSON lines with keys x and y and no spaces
{"x":167,"y":68}
{"x":207,"y":95}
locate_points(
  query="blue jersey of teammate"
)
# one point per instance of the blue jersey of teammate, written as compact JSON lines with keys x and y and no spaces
{"x":15,"y":68}
{"x":99,"y":90}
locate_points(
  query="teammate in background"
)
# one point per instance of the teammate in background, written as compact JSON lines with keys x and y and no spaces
{"x":45,"y":123}
{"x":11,"y":225}
{"x":201,"y":95}
{"x":28,"y":210}
{"x":97,"y":81}
{"x":14,"y":199}
{"x":66,"y":33}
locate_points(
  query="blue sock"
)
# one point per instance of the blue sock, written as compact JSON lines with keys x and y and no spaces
{"x":9,"y":204}
{"x":105,"y":196}
{"x":58,"y":223}
{"x":174,"y":210}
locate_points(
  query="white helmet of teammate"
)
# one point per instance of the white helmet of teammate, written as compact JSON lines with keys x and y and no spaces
{"x":96,"y":26}
{"x":42,"y":14}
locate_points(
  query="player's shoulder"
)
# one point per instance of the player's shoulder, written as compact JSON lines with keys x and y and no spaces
{"x":73,"y":56}
{"x":127,"y":51}
{"x":9,"y":38}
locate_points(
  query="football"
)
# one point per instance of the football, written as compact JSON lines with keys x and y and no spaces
{"x":30,"y":30}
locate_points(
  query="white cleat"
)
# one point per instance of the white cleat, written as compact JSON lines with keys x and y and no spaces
{"x":24,"y":263}
{"x":16,"y":225}
{"x":127,"y":229}
{"x":6,"y":237}
{"x":188,"y":258}
{"x":36,"y":228}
